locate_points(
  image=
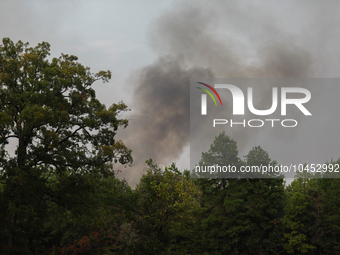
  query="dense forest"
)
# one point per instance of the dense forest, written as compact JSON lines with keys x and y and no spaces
{"x":59,"y":191}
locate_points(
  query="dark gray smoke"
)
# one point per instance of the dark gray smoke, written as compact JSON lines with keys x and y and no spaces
{"x":161,"y":124}
{"x":207,"y":39}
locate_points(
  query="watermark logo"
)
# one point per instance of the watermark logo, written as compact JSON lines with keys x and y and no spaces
{"x":295,"y":120}
{"x":302,"y":96}
{"x":204,"y":97}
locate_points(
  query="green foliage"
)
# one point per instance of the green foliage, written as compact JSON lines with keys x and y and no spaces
{"x":59,"y":193}
{"x":223,"y":152}
{"x":169,"y":205}
{"x":245,"y":212}
{"x":302,"y":217}
{"x":63,"y":134}
{"x":259,"y":157}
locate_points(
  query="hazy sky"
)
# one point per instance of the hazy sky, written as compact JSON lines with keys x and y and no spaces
{"x":154,"y":47}
{"x":103,"y":34}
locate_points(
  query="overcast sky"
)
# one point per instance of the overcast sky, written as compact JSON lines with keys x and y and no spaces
{"x":154,"y":47}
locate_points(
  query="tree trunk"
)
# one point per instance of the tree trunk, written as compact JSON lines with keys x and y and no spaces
{"x":13,"y":220}
{"x":22,"y":149}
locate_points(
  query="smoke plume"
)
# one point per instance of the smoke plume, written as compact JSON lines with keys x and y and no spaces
{"x":209,"y":39}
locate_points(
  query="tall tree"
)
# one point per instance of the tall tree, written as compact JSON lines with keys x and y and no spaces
{"x":302,"y":215}
{"x":168,"y":205}
{"x":63,"y":133}
{"x":223,"y":152}
{"x":327,"y":204}
{"x":263,"y":204}
{"x":243,"y":212}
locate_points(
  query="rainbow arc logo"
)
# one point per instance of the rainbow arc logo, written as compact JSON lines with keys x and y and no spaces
{"x":204,"y":97}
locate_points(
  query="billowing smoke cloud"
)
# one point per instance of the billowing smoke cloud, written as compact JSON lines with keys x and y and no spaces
{"x":228,"y":39}
{"x":159,"y":128}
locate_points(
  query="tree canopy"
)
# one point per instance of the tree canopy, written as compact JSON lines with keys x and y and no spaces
{"x":59,"y":193}
{"x":62,"y":131}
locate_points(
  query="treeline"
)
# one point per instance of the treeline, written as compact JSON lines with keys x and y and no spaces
{"x":59,"y":194}
{"x":171,"y":213}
